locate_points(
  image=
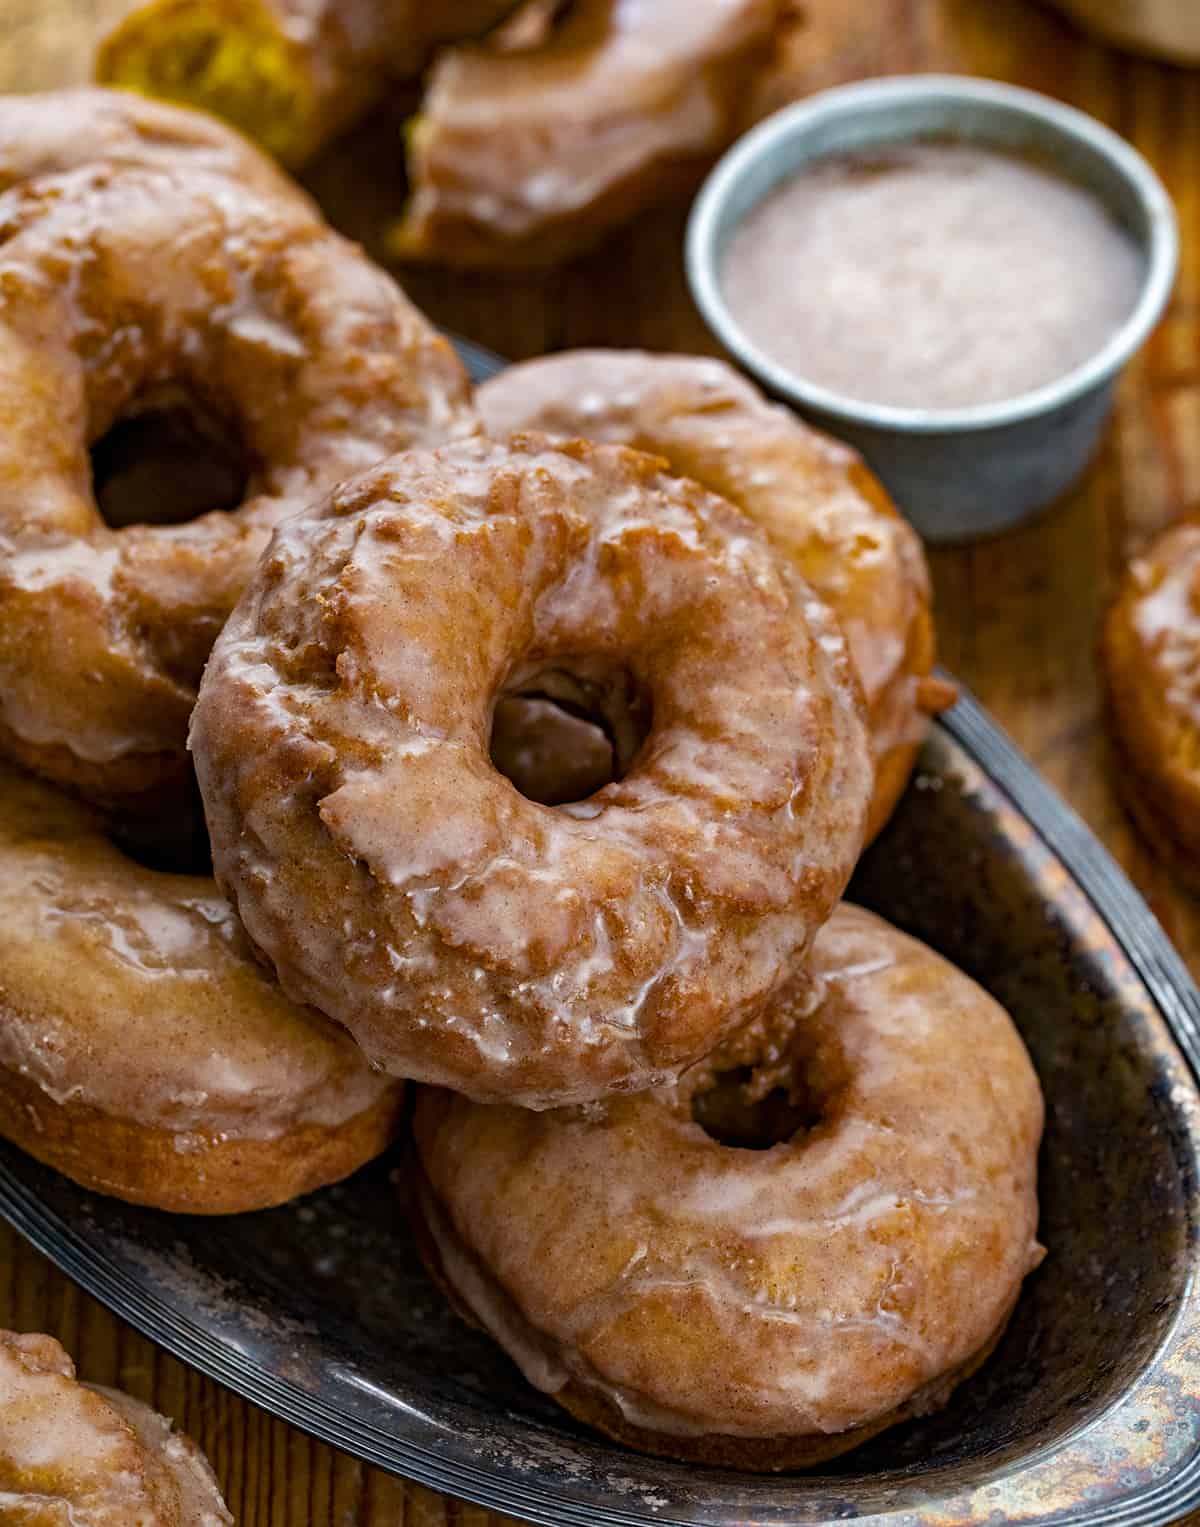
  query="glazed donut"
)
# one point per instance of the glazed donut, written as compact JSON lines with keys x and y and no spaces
{"x":119,"y":288}
{"x":463,"y":933}
{"x":524,"y":155}
{"x":812,"y":495}
{"x":78,"y":1453}
{"x":144,"y":1052}
{"x":1151,"y":659}
{"x":290,"y":73}
{"x":60,"y":130}
{"x":675,"y":1283}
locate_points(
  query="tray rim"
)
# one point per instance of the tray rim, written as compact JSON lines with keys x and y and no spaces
{"x":1116,"y":901}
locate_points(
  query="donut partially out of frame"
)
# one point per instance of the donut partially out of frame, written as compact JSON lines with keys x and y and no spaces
{"x":144,"y":1052}
{"x":530,"y":146}
{"x":289,"y":73}
{"x":1151,"y":659}
{"x":81,"y":1454}
{"x":123,"y":289}
{"x":58,"y":130}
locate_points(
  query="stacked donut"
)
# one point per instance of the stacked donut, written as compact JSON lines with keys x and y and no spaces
{"x":152,"y":261}
{"x":539,"y":736}
{"x":540,"y":761}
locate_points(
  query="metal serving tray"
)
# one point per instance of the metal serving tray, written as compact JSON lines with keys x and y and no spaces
{"x":1089,"y":1412}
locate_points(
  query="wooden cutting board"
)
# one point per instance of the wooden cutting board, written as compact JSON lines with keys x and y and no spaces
{"x":1017,"y":616}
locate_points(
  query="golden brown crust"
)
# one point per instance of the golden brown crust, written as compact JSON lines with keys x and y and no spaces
{"x":143,"y":1165}
{"x":141,"y":783}
{"x":893,"y":770}
{"x":813,"y":496}
{"x":398,"y":882}
{"x":144,"y":1052}
{"x":77,"y":1453}
{"x":289,"y":73}
{"x":818,"y":1231}
{"x":527,"y":153}
{"x":1150,"y":657}
{"x":316,"y":360}
{"x":1137,"y":794}
{"x":756,"y":1455}
{"x":59,"y":130}
{"x":765,"y":1455}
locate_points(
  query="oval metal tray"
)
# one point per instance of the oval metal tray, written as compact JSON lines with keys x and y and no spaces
{"x":1089,"y":1412}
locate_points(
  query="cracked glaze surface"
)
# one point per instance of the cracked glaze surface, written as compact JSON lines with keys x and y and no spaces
{"x":809,"y":1288}
{"x":135,"y":992}
{"x":812,"y":495}
{"x":115,"y":284}
{"x":526,"y":151}
{"x":397,"y":881}
{"x":59,"y":130}
{"x":77,"y":1455}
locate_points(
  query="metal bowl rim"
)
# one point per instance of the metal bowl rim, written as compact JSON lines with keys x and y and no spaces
{"x":869,"y":98}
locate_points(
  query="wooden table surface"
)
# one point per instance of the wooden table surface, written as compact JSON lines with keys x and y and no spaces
{"x":1017,"y":615}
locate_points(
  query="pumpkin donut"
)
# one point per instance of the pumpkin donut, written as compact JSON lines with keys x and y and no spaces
{"x":121,"y":287}
{"x":813,"y":496}
{"x":525,"y":153}
{"x":397,"y":881}
{"x":58,"y":130}
{"x":1151,"y":658}
{"x":144,"y":1052}
{"x":78,"y":1453}
{"x":818,"y":1232}
{"x":290,"y":73}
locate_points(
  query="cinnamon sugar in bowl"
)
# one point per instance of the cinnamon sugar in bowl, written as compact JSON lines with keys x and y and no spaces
{"x":948,"y":273}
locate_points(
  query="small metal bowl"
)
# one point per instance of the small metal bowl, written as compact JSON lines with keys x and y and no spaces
{"x":958,"y":473}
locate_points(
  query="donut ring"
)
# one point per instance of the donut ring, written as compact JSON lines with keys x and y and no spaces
{"x":59,"y":130}
{"x":527,"y":153}
{"x":290,"y":73}
{"x":73,"y":1452}
{"x":812,"y":495}
{"x":144,"y":1052}
{"x":1151,"y":657}
{"x":115,"y":286}
{"x":759,"y":1308}
{"x":398,"y":882}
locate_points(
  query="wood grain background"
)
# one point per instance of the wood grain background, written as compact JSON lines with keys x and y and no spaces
{"x":1017,"y":615}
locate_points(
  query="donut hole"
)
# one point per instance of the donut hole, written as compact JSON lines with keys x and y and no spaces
{"x":174,"y":844}
{"x":169,"y":458}
{"x":735,"y":1111}
{"x":561,"y":734}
